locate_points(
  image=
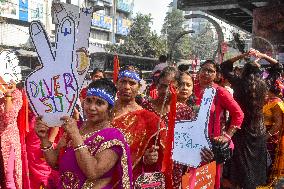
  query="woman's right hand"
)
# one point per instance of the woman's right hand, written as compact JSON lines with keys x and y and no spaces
{"x":206,"y":155}
{"x":11,"y":88}
{"x":41,"y":129}
{"x":151,"y":155}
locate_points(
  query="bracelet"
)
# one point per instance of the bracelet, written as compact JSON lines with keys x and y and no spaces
{"x":8,"y":96}
{"x":46,"y":149}
{"x":269,"y":134}
{"x":227,"y":136}
{"x":79,"y":147}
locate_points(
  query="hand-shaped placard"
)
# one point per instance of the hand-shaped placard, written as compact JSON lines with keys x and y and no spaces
{"x":83,"y":21}
{"x":192,"y":136}
{"x":53,"y":89}
{"x":9,"y":66}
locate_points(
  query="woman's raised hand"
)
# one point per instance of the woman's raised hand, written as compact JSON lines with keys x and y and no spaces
{"x":70,"y":126}
{"x":206,"y":155}
{"x":11,"y":88}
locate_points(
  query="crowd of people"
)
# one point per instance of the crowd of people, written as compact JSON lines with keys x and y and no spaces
{"x":119,"y":134}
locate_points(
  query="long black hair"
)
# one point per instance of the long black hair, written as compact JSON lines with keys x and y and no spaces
{"x":253,"y":90}
{"x":169,"y":70}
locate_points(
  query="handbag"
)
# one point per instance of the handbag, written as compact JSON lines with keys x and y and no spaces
{"x":222,"y":151}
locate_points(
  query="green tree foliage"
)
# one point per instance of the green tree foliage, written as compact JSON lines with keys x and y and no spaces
{"x":203,"y":44}
{"x":172,"y":27}
{"x":140,"y":41}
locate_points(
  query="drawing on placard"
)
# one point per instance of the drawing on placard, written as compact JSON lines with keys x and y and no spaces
{"x":191,"y":136}
{"x":9,"y":66}
{"x":53,"y":89}
{"x":83,"y":21}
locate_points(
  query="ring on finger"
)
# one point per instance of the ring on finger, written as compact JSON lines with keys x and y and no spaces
{"x":66,"y":121}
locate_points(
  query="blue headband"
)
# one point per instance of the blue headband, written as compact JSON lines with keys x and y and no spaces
{"x":102,"y":94}
{"x":129,"y":74}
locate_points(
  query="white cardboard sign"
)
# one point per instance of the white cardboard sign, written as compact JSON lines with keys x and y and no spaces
{"x":191,"y":136}
{"x":9,"y":66}
{"x":53,"y":89}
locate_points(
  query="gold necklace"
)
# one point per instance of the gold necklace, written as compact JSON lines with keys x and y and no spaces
{"x":87,"y":135}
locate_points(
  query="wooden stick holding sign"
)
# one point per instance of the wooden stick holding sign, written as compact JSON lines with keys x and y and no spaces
{"x":53,"y":89}
{"x":192,"y":136}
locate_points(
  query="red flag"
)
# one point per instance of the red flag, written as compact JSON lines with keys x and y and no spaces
{"x":167,"y":167}
{"x":23,"y":126}
{"x":115,"y":68}
{"x":195,"y":63}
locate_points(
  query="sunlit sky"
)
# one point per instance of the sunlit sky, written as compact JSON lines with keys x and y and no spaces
{"x":157,"y":8}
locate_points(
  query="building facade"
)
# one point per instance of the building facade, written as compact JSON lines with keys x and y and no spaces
{"x":109,"y":24}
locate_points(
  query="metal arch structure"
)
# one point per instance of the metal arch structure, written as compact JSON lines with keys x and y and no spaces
{"x":216,"y":26}
{"x":175,"y":41}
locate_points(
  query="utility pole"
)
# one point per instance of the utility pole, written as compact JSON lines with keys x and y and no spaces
{"x":113,"y":21}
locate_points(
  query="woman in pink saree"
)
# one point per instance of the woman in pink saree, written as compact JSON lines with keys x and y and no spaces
{"x":93,"y":155}
{"x":10,"y":104}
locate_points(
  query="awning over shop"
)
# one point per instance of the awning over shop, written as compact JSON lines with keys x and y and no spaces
{"x":26,"y":68}
{"x":22,"y":52}
{"x":94,"y":48}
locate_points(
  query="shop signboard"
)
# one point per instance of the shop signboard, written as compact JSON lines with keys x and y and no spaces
{"x":36,"y":10}
{"x":23,"y":10}
{"x":9,"y":9}
{"x":125,"y":5}
{"x":102,"y":21}
{"x":123,"y":26}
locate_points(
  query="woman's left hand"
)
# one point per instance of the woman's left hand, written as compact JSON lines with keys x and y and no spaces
{"x":70,"y":126}
{"x":11,"y":88}
{"x":222,"y":139}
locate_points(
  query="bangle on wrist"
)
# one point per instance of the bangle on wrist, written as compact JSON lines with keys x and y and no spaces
{"x":8,"y":96}
{"x":269,"y":134}
{"x":227,"y":136}
{"x":46,"y":149}
{"x":80,"y":146}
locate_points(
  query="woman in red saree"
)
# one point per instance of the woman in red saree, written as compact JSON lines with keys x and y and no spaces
{"x":223,"y":101}
{"x":139,"y":126}
{"x":183,"y":112}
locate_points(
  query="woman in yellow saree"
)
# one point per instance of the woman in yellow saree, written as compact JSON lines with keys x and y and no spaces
{"x":273,"y":112}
